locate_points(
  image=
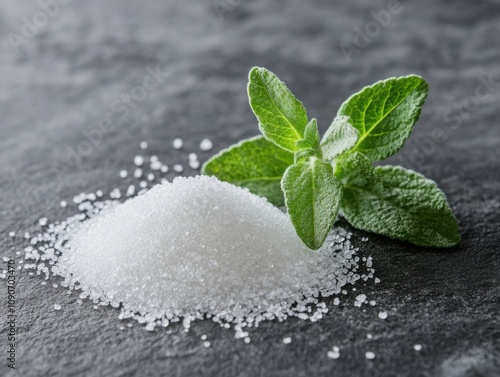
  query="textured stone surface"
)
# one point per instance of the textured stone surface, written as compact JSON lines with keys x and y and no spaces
{"x":66,"y":78}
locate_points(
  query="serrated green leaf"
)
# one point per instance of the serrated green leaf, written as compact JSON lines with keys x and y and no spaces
{"x":312,"y":196}
{"x":309,"y":145}
{"x":340,"y":137}
{"x":282,"y":118}
{"x":403,"y":205}
{"x":256,"y":164}
{"x":385,"y":113}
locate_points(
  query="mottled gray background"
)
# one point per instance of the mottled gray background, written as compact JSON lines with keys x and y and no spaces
{"x":60,"y":82}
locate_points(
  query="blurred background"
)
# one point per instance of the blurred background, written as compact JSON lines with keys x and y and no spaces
{"x":83,"y":82}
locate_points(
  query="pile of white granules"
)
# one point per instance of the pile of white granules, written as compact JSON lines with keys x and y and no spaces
{"x":192,"y":249}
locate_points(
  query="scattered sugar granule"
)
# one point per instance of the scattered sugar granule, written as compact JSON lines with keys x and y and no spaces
{"x":377,"y":280}
{"x":193,"y":157}
{"x":63,"y":203}
{"x":130,"y":190}
{"x":333,"y":354}
{"x":369,"y":355}
{"x":164,"y":169}
{"x":143,"y":145}
{"x":139,"y":160}
{"x":360,"y":300}
{"x":99,"y":193}
{"x":123,"y":173}
{"x":364,"y":239}
{"x":203,"y":337}
{"x":382,"y":315}
{"x":12,"y":234}
{"x":178,"y":168}
{"x":206,"y":344}
{"x":143,"y":184}
{"x":138,"y":173}
{"x":151,"y":177}
{"x":156,"y":165}
{"x":287,"y":340}
{"x":369,"y":336}
{"x":57,"y":307}
{"x":206,"y":145}
{"x":115,"y":194}
{"x":27,"y":235}
{"x":194,"y":164}
{"x":178,"y":143}
{"x":336,"y":301}
{"x":373,"y":303}
{"x":417,"y":347}
{"x":43,"y":221}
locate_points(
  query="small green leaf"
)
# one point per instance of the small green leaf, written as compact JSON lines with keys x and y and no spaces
{"x":312,"y":196}
{"x":385,"y":113}
{"x":309,"y":145}
{"x":282,"y":118}
{"x":400,"y":204}
{"x":256,"y":164}
{"x":340,"y":137}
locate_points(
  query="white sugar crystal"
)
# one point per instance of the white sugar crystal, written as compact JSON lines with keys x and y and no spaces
{"x":369,"y":336}
{"x":57,"y":307}
{"x":143,"y":145}
{"x":206,"y":145}
{"x":27,"y":235}
{"x":143,"y":184}
{"x":287,"y":340}
{"x":382,"y":315}
{"x":333,"y":354}
{"x":203,"y":337}
{"x":139,"y":160}
{"x":164,"y":168}
{"x":123,"y":173}
{"x":206,"y":344}
{"x":194,"y":164}
{"x":12,"y":234}
{"x":369,"y":355}
{"x":138,"y":173}
{"x":417,"y":347}
{"x":43,"y":221}
{"x":156,"y":165}
{"x":178,"y":143}
{"x":193,"y":157}
{"x":151,"y":177}
{"x":130,"y":190}
{"x":336,"y":301}
{"x":178,"y":168}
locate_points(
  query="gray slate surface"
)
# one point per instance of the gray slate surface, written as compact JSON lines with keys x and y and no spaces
{"x":65,"y":79}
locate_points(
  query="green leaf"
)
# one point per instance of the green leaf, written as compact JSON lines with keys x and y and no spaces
{"x":256,"y":164}
{"x":282,"y":118}
{"x":312,"y":196}
{"x":385,"y":113}
{"x":340,"y":137}
{"x":401,"y":204}
{"x":309,"y":145}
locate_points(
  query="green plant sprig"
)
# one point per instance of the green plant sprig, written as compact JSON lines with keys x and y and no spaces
{"x":315,"y":177}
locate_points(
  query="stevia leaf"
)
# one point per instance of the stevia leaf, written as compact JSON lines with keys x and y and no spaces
{"x":340,"y":137}
{"x":355,"y":169}
{"x":403,"y":205}
{"x":312,"y":196}
{"x":385,"y":113}
{"x":254,"y":163}
{"x":309,"y":145}
{"x":282,"y":118}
